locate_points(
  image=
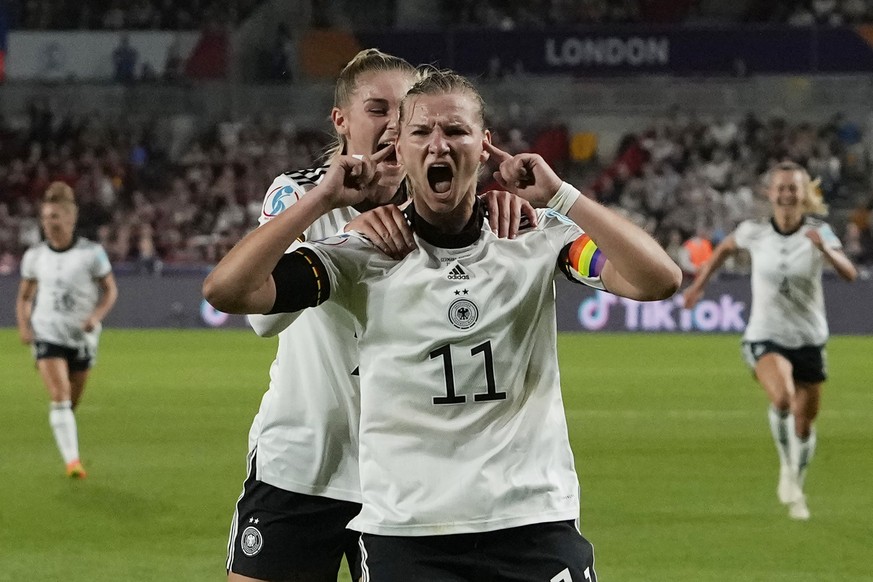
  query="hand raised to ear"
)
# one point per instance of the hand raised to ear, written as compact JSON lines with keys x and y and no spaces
{"x":350,"y":180}
{"x":526,"y":175}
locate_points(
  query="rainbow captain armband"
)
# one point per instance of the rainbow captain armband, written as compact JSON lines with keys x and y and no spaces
{"x":582,"y":261}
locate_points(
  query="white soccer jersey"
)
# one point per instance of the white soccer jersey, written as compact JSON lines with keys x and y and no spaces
{"x":306,"y":431}
{"x":787,"y":299}
{"x":462,"y":420}
{"x":66,"y":292}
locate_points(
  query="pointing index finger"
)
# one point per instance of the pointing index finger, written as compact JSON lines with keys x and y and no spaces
{"x":499,"y":154}
{"x":382,"y":154}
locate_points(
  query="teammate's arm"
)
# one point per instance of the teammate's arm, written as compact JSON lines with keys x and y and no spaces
{"x":836,"y":257}
{"x":23,"y":309}
{"x":720,"y":254}
{"x":108,"y":297}
{"x":242,"y":282}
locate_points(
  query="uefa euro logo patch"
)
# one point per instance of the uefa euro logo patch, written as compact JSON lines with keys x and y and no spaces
{"x":278,"y":200}
{"x":251,"y":541}
{"x":463,"y":313}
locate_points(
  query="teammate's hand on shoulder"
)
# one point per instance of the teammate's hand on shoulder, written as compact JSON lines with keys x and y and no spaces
{"x":386,"y":228}
{"x":505,"y":211}
{"x":527,"y":175}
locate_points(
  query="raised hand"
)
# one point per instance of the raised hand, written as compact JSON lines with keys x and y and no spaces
{"x":350,"y":180}
{"x":526,"y":175}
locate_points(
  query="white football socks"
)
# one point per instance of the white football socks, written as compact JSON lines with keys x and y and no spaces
{"x":781,"y":425}
{"x":802,"y":451}
{"x":63,"y":423}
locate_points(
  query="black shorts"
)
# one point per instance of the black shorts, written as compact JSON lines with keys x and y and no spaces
{"x":808,"y":363}
{"x":546,"y":552}
{"x":78,"y":360}
{"x":277,"y":534}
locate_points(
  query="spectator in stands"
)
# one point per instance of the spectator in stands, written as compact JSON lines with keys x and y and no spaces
{"x":698,"y":250}
{"x":124,"y":61}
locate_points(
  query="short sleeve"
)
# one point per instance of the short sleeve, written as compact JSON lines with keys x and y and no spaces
{"x":346,"y":257}
{"x":100,"y":266}
{"x":578,"y":257}
{"x":582,"y":262}
{"x":28,"y":264}
{"x":743,"y":234}
{"x":829,"y":237}
{"x":559,"y":229}
{"x":283,"y":193}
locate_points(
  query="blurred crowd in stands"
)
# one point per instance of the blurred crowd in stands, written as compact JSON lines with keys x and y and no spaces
{"x":499,"y":14}
{"x":520,"y":14}
{"x":689,"y":181}
{"x":810,"y":12}
{"x":123,"y":15}
{"x":154,"y":194}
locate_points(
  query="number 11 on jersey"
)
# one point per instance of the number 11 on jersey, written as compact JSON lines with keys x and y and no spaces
{"x":451,"y":397}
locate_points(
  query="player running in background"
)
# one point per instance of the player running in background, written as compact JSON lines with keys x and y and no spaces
{"x":466,"y":467}
{"x":67,"y":288}
{"x":303,"y":486}
{"x":784,"y":342}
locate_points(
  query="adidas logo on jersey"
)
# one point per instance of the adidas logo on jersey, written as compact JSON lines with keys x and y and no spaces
{"x":457,"y":274}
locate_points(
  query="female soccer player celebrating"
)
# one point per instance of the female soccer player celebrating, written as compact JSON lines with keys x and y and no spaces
{"x":303,"y":488}
{"x":71,"y":280}
{"x":784,"y":342}
{"x":465,"y":463}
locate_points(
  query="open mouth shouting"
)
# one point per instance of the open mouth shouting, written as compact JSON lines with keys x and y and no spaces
{"x":439,"y":177}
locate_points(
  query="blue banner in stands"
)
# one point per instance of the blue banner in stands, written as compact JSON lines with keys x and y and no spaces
{"x":634,"y":50}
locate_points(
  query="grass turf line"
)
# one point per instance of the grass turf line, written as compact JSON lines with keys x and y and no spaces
{"x":675,"y":460}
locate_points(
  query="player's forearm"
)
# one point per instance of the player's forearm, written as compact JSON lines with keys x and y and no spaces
{"x":721,"y":253}
{"x":841,"y":264}
{"x":107,"y":301}
{"x":22,"y":314}
{"x":646,"y":271}
{"x":242,"y":281}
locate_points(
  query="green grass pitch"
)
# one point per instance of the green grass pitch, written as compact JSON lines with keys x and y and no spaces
{"x":677,"y":468}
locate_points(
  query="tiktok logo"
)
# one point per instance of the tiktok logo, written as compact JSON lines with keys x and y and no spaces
{"x":726,"y":314}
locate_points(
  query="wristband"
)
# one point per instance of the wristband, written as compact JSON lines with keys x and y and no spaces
{"x":564,"y":198}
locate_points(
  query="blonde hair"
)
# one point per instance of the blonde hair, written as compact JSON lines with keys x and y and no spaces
{"x":813,"y":202}
{"x":60,"y":193}
{"x":367,"y":61}
{"x":442,"y":81}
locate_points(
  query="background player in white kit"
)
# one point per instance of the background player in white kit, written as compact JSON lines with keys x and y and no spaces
{"x":784,"y":342}
{"x":66,"y":290}
{"x":303,"y":486}
{"x":466,"y":468}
